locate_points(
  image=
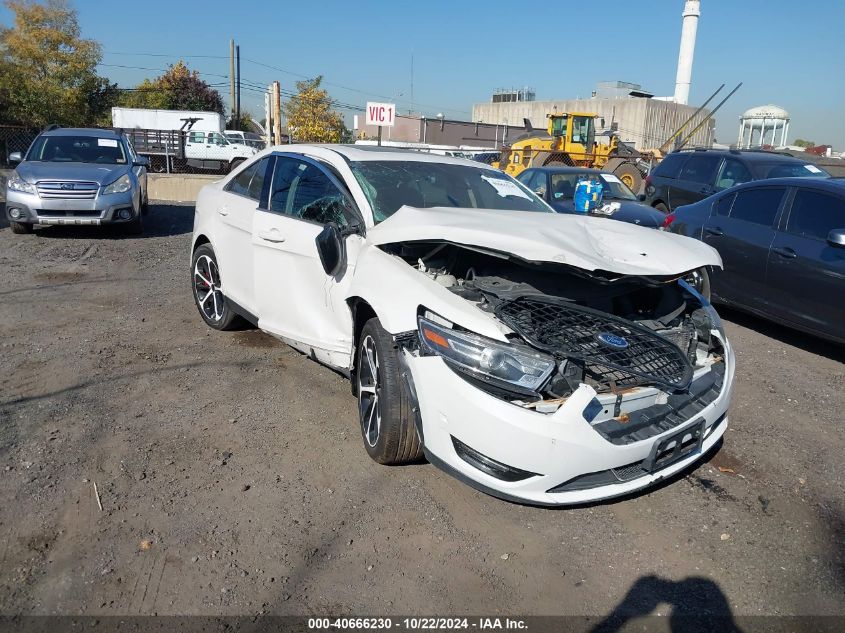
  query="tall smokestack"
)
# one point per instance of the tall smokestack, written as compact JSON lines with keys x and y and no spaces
{"x":692,"y":10}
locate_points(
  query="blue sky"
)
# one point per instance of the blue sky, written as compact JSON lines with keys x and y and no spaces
{"x":785,"y":52}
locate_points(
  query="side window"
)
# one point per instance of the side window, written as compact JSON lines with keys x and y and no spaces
{"x":303,"y":191}
{"x":316,"y":199}
{"x":240,"y":183}
{"x":733,"y":173}
{"x":670,"y":166}
{"x":196,"y":137}
{"x":815,"y":214}
{"x":722,"y":206}
{"x":538,"y":183}
{"x":256,"y":185}
{"x":700,"y":169}
{"x":525,"y":177}
{"x":759,"y":206}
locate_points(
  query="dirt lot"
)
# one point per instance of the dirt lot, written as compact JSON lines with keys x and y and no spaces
{"x":233,"y":480}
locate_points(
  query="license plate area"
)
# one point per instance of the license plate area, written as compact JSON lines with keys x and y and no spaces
{"x":672,"y":448}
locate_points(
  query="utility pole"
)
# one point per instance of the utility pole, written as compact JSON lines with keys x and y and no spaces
{"x":232,"y":75}
{"x":238,"y":93}
{"x":268,"y":130}
{"x":277,"y":112}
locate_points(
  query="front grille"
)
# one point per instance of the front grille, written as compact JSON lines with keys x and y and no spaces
{"x":614,"y":351}
{"x":50,"y":213}
{"x":67,"y":190}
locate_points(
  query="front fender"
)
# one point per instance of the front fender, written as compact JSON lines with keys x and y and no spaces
{"x":395,"y":290}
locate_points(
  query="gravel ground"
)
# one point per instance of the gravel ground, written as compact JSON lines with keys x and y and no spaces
{"x":233,"y":480}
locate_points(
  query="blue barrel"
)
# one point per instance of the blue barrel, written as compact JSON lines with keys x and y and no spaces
{"x":588,"y":195}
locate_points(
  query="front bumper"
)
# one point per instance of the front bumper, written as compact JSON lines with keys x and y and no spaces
{"x":102,"y":209}
{"x":569,"y":460}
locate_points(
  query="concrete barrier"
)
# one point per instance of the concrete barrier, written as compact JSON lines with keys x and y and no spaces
{"x":161,"y":187}
{"x":177,"y":187}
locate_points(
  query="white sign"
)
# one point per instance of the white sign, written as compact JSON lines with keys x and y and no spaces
{"x":383,"y":114}
{"x":505,"y":188}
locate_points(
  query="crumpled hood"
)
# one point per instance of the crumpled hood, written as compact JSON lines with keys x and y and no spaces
{"x":35,"y":171}
{"x":584,"y":242}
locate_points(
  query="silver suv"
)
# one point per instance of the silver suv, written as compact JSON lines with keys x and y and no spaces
{"x":77,"y":176}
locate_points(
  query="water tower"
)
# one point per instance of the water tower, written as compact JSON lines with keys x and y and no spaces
{"x":767,"y":119}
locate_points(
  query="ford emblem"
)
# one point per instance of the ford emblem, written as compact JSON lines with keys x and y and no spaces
{"x":612,"y":340}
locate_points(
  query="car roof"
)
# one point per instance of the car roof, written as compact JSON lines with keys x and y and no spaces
{"x":836,"y":185}
{"x":82,"y":131}
{"x":748,"y":155}
{"x":363,"y":153}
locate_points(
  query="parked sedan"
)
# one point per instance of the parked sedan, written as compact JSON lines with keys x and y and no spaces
{"x":556,"y":185}
{"x":782,"y":242}
{"x":540,"y":357}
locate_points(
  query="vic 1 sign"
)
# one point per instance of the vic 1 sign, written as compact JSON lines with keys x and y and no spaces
{"x":381,"y":114}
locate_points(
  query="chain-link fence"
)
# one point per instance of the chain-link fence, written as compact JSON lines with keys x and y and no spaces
{"x":169,"y":151}
{"x":194,"y":151}
{"x":14,"y":138}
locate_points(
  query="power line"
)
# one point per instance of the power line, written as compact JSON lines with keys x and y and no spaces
{"x":275,"y":68}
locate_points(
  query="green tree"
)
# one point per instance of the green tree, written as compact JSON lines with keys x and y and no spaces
{"x":800,"y":142}
{"x":178,"y":88}
{"x":245,"y":123}
{"x":47,"y":71}
{"x":310,"y":116}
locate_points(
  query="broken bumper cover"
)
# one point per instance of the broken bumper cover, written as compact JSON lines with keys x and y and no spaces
{"x":551,"y":459}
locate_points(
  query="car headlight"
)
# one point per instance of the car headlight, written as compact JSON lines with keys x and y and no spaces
{"x":484,"y":358}
{"x":707,"y":309}
{"x":121,"y":185}
{"x":16,"y":183}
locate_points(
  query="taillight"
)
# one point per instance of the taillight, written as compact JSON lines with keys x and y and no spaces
{"x":670,"y":217}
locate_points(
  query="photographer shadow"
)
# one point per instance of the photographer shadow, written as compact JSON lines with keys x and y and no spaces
{"x":697,"y":606}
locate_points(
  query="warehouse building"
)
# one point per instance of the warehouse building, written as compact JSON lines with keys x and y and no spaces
{"x":634,"y":114}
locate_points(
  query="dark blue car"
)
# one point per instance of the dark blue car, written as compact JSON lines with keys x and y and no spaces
{"x":782,"y":242}
{"x":556,"y":185}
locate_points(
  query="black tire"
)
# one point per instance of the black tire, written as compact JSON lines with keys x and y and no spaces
{"x":135,"y":226}
{"x":662,"y":208}
{"x":21,"y":228}
{"x":384,"y":407}
{"x":235,"y":164}
{"x":145,"y":205}
{"x":631,"y":176}
{"x":700,"y":280}
{"x":212,"y":306}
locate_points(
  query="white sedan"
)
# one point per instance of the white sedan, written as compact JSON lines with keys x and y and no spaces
{"x":544,"y":358}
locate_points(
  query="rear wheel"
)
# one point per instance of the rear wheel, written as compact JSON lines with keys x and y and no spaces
{"x":384,"y":409}
{"x":21,"y":228}
{"x":235,"y":164}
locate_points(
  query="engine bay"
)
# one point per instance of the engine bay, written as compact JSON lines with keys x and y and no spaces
{"x":610,"y":331}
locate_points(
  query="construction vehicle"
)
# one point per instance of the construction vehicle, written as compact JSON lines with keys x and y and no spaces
{"x":570,"y":140}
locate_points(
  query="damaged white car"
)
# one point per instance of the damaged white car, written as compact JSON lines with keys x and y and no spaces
{"x":543,"y":358}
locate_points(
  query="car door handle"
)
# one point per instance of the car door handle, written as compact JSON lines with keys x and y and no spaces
{"x":223,"y":210}
{"x":714,"y":230}
{"x":272,"y":236}
{"x":785,"y":251}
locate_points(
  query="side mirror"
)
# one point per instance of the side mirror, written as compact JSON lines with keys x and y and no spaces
{"x":641,"y":197}
{"x":15,"y":157}
{"x":332,"y":249}
{"x":836,"y":238}
{"x":142,"y":161}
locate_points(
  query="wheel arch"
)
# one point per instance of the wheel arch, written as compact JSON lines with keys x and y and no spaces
{"x":361,"y":312}
{"x":199,"y":241}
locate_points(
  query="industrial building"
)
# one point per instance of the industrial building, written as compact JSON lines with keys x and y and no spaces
{"x":636,"y":115}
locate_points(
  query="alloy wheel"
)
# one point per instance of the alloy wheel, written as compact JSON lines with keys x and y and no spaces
{"x":207,"y":288}
{"x":369,"y":391}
